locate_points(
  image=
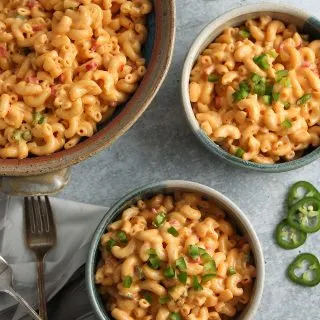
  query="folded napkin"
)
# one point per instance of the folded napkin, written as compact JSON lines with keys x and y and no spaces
{"x":75,"y":224}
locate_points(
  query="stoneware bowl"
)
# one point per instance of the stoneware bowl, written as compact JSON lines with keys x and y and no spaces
{"x":158,"y":53}
{"x":168,"y":187}
{"x":306,"y":24}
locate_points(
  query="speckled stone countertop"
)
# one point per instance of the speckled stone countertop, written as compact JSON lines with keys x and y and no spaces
{"x":161,"y":146}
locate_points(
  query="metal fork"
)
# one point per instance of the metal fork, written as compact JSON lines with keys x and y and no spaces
{"x":6,"y":279}
{"x":41,"y":237}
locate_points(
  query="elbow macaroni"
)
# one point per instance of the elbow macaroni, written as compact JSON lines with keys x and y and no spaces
{"x":262,"y":75}
{"x":65,"y":62}
{"x":155,"y":235}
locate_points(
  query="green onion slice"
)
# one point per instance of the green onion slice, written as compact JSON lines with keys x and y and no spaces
{"x":153,"y":261}
{"x":173,"y":231}
{"x":285,"y":82}
{"x":231,"y":271}
{"x":183,"y":277}
{"x":239,"y":153}
{"x":175,"y":316}
{"x":304,"y":99}
{"x":280,"y":74}
{"x":286,"y":105}
{"x":169,"y":272}
{"x":267,"y":99}
{"x":210,"y":267}
{"x":147,"y":295}
{"x":272,"y":53}
{"x":122,"y":237}
{"x":181,"y":264}
{"x":244,"y":33}
{"x":256,"y":78}
{"x":275,"y":96}
{"x":286,"y":124}
{"x":262,"y":61}
{"x":127,"y":282}
{"x":111,"y":243}
{"x":196,"y":284}
{"x":164,"y":299}
{"x":213,"y":78}
{"x":208,"y":277}
{"x":193,"y":251}
{"x":159,"y":220}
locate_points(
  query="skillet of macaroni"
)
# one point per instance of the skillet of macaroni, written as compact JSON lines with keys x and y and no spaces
{"x":64,"y":67}
{"x":255,"y":91}
{"x":174,"y":257}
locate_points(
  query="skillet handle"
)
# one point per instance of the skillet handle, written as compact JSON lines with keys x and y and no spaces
{"x":43,"y":184}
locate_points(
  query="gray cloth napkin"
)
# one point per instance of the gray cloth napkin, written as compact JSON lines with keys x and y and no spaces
{"x":75,"y":223}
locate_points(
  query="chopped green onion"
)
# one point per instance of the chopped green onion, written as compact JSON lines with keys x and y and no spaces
{"x":210,"y":267}
{"x":110,"y":244}
{"x":244,"y":33}
{"x":280,"y":74}
{"x":38,"y":118}
{"x":169,"y":272}
{"x":202,"y":251}
{"x":122,"y":237}
{"x":231,"y":271}
{"x":244,"y":85}
{"x":147,"y":296}
{"x":205,"y":257}
{"x":174,"y":316}
{"x":286,"y":105}
{"x":151,"y":251}
{"x":208,"y":277}
{"x":256,"y":78}
{"x":164,"y":299}
{"x":181,"y":264}
{"x":140,"y":273}
{"x":239,"y":153}
{"x":193,"y":251}
{"x":260,"y":87}
{"x":196,"y":284}
{"x":243,"y":91}
{"x":267,"y":100}
{"x":262,"y":61}
{"x":173,"y":231}
{"x":213,"y":78}
{"x":286,"y":124}
{"x":272,"y":53}
{"x":269,"y":89}
{"x":275,"y":96}
{"x":183,"y":277}
{"x":17,"y":135}
{"x":154,"y":261}
{"x":304,"y":99}
{"x":159,"y":220}
{"x":127,"y":282}
{"x":27,"y":135}
{"x":285,"y":82}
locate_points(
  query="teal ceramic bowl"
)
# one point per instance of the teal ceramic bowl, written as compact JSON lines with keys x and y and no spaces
{"x":233,"y":212}
{"x":305,"y":22}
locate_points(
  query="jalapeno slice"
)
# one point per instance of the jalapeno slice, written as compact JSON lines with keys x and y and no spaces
{"x":288,"y":237}
{"x":305,"y":270}
{"x":300,"y":190}
{"x":305,"y":215}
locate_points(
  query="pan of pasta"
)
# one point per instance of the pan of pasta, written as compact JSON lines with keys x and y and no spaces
{"x":175,"y":250}
{"x":251,"y":87}
{"x":75,"y":75}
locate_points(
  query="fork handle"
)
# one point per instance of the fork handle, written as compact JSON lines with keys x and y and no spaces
{"x":41,"y":289}
{"x":24,"y":303}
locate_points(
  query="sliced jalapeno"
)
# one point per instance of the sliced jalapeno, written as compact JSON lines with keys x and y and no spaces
{"x":300,"y":190}
{"x":305,"y":215}
{"x":288,"y":237}
{"x":305,"y":270}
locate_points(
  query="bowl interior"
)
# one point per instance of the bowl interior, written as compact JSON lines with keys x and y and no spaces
{"x":305,"y":23}
{"x":158,"y":52}
{"x":168,"y":187}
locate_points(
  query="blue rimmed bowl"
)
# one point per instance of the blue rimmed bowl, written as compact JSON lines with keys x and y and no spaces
{"x":168,"y":187}
{"x":305,"y":22}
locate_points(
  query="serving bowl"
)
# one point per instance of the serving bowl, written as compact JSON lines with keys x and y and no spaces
{"x":305,"y":22}
{"x":158,"y":53}
{"x":169,"y":187}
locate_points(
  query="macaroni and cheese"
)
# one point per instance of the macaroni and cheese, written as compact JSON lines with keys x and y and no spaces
{"x":65,"y":65}
{"x":255,"y":91}
{"x":174,"y":257}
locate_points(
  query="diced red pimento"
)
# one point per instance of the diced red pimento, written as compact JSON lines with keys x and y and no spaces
{"x":121,"y":67}
{"x":3,"y":51}
{"x":32,"y":79}
{"x":32,"y":3}
{"x":53,"y":91}
{"x":305,"y":64}
{"x":94,"y":45}
{"x":218,"y":101}
{"x":38,"y":27}
{"x":92,"y":65}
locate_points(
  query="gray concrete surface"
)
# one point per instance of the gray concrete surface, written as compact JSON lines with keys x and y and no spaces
{"x":161,"y":146}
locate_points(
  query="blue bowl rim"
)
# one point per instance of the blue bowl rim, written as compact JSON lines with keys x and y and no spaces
{"x":200,"y":39}
{"x":139,"y":193}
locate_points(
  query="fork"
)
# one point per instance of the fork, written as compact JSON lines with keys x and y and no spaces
{"x":41,"y":237}
{"x":6,"y":279}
